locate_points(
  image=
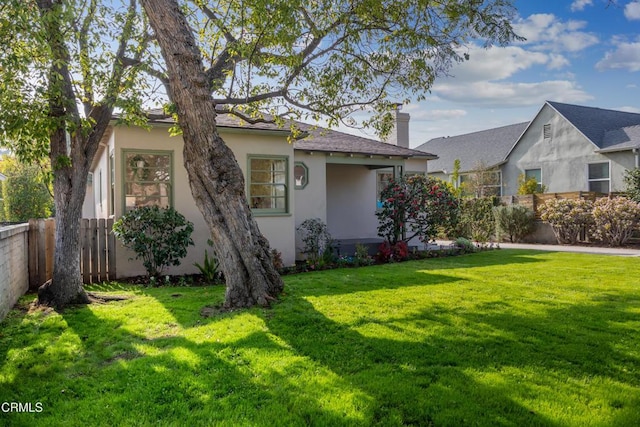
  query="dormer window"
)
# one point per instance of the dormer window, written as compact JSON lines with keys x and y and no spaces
{"x":546,"y":131}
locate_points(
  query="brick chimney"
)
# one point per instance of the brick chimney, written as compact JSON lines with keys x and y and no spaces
{"x":400,"y":133}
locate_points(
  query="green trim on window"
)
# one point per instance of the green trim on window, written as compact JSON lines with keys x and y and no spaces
{"x":305,"y":179}
{"x":147,"y":178}
{"x":415,"y":173}
{"x":269,"y":185}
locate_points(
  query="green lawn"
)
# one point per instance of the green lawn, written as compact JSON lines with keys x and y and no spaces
{"x":495,"y":338}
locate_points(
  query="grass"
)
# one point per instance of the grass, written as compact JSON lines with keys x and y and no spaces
{"x":514,"y":338}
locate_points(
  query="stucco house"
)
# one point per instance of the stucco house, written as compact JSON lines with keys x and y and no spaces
{"x":565,"y":147}
{"x":329,"y":175}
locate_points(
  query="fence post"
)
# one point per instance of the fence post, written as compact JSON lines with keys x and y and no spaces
{"x":93,"y":228}
{"x":102,"y":250}
{"x":111,"y":250}
{"x":33,"y":255}
{"x":85,"y":241}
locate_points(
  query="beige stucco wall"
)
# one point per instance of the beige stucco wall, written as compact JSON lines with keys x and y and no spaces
{"x":279,"y":230}
{"x":311,"y":201}
{"x":563,"y":158}
{"x":415,"y":165}
{"x":351,"y":201}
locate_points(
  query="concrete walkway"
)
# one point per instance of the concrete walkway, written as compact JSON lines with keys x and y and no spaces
{"x":566,"y":248}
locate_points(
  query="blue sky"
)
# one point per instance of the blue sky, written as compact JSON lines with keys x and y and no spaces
{"x":584,"y":52}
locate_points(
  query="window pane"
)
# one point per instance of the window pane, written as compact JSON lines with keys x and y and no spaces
{"x":267,"y":186}
{"x":599,"y":171}
{"x":300,"y":175}
{"x":147,"y":180}
{"x":599,"y":186}
{"x":533,"y":173}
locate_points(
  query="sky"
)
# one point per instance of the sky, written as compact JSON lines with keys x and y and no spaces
{"x":583,"y":52}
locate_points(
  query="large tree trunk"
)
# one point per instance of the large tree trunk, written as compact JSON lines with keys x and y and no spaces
{"x":69,"y":184}
{"x":216,"y":180}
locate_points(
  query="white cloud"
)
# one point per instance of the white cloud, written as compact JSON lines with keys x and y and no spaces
{"x":557,"y":62}
{"x":626,"y":56}
{"x":632,"y":10}
{"x":437,"y":115}
{"x":578,"y":5}
{"x":511,"y":94}
{"x":496,"y":63}
{"x":628,"y":109}
{"x":545,"y":31}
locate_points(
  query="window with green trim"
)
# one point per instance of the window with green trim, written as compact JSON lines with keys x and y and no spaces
{"x":300,"y":175}
{"x":148,"y":179}
{"x":268,"y":184}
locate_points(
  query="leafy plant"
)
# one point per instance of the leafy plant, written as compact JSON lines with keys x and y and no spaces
{"x":210,"y":265}
{"x":632,"y":181}
{"x":466,"y":244}
{"x":615,"y":219}
{"x":24,"y":193}
{"x":567,"y":217}
{"x":388,"y":251}
{"x":361,"y":256}
{"x":475,"y":219}
{"x":529,"y":186}
{"x":159,"y":237}
{"x":514,"y":221}
{"x":415,"y":206}
{"x":316,"y":239}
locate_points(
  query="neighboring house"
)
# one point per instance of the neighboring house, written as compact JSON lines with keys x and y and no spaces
{"x":565,"y":147}
{"x":328,"y":175}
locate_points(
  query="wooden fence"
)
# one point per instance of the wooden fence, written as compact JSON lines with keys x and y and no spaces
{"x":97,"y":253}
{"x":535,"y":201}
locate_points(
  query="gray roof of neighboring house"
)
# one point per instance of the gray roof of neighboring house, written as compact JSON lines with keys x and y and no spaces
{"x":605,"y":128}
{"x":488,"y":146}
{"x":2,"y":176}
{"x":319,"y":139}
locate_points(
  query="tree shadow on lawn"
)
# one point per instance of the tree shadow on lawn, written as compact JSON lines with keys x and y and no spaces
{"x":482,"y":375}
{"x":93,"y":370}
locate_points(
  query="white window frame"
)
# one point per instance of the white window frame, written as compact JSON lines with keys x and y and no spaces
{"x":539,"y":187}
{"x":608,"y":179}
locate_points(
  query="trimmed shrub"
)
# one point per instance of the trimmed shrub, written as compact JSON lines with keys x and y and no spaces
{"x":615,"y":220}
{"x":632,"y":181}
{"x":475,"y":220}
{"x":567,"y":218}
{"x":159,"y":237}
{"x":513,"y":221}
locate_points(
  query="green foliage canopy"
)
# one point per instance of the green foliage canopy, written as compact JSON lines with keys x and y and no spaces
{"x":24,"y":193}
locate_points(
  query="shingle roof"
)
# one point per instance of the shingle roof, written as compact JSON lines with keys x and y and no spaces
{"x":488,"y":146}
{"x":596,"y":123}
{"x":621,"y":139}
{"x":327,"y":140}
{"x":319,"y":139}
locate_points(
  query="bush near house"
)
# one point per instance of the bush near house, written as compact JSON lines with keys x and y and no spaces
{"x":158,"y":236}
{"x":513,"y":221}
{"x":567,"y":218}
{"x":415,"y":206}
{"x":475,"y":219}
{"x":615,"y":220}
{"x":632,"y":181}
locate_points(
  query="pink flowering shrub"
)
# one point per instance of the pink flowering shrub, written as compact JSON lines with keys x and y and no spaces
{"x":567,"y":218}
{"x":415,"y":206}
{"x":615,"y":220}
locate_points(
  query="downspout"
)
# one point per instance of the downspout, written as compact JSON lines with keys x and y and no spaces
{"x":636,"y":151}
